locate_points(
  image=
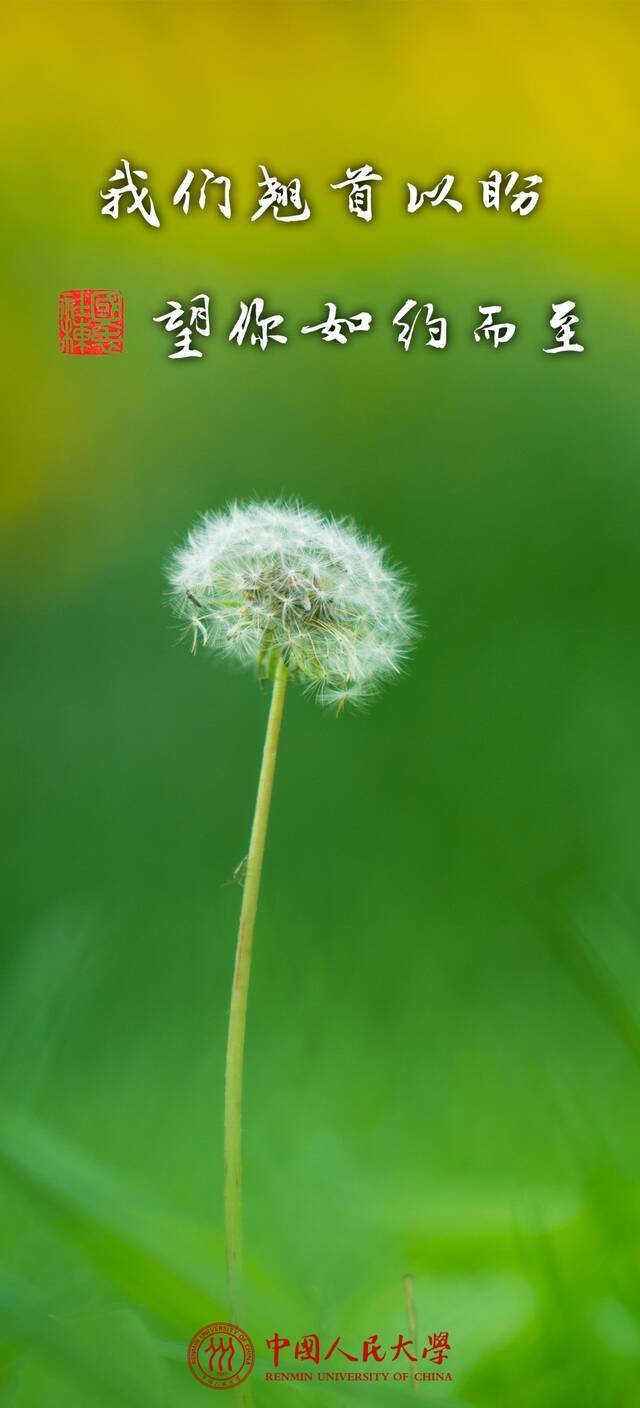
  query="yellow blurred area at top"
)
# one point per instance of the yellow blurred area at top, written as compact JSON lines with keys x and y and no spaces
{"x":308,"y":90}
{"x":417,"y":89}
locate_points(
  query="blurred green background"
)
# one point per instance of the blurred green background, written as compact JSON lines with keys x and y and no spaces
{"x":444,"y":1026}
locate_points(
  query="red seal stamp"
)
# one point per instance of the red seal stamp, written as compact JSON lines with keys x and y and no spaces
{"x":91,"y":321}
{"x":221,"y":1356}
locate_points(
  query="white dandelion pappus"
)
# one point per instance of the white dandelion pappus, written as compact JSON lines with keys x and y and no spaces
{"x":268,"y":580}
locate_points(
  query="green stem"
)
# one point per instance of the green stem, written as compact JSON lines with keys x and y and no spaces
{"x":239,"y":992}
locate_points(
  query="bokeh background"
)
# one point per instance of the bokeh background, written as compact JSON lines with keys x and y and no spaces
{"x":444,"y":1029}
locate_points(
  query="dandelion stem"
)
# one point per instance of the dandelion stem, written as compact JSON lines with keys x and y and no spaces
{"x":239,"y":992}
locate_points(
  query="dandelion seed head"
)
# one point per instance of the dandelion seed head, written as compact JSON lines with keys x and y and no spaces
{"x":263,"y":580}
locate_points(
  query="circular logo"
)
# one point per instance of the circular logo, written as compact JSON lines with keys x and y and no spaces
{"x":221,"y":1356}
